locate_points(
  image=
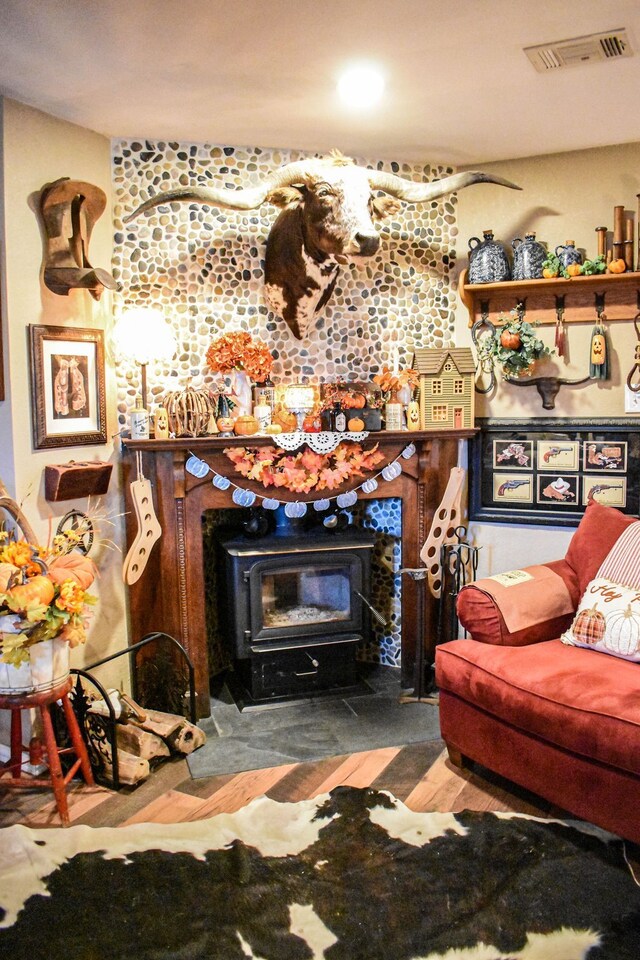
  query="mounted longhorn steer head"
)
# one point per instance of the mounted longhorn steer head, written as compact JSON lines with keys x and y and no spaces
{"x":547,"y":387}
{"x":329,"y":216}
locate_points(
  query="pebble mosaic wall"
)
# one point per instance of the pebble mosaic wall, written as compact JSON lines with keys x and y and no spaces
{"x":205,"y":268}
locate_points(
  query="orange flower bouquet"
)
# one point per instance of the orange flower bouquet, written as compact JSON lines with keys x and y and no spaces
{"x":390,"y":382}
{"x":43,"y":594}
{"x":240,"y":351}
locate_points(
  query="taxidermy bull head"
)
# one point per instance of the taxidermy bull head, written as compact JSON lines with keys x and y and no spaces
{"x":328,"y":218}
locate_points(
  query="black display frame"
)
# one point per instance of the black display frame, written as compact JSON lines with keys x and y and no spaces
{"x":484,"y":473}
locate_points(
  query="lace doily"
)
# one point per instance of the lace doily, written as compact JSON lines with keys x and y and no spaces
{"x":323,"y":442}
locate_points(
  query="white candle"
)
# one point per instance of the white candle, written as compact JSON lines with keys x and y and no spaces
{"x":395,"y":360}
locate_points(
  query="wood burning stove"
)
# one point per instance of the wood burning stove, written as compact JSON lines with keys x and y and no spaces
{"x":295,"y":607}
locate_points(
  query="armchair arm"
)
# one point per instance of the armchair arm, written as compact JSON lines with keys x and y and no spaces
{"x":522,"y":607}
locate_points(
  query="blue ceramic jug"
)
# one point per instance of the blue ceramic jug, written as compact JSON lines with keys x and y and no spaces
{"x":528,"y":257}
{"x":567,"y":253}
{"x":488,"y":261}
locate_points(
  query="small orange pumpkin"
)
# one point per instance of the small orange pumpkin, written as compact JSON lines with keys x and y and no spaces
{"x":37,"y":590}
{"x":548,"y":273}
{"x":356,"y":424}
{"x":246,"y":426}
{"x":510,"y":340}
{"x":358,"y":401}
{"x":574,"y":269}
{"x":617,"y":266}
{"x":287,"y":421}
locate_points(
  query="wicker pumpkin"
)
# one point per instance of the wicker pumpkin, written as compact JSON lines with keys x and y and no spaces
{"x":589,"y":626}
{"x":623,"y":629}
{"x":189,"y":412}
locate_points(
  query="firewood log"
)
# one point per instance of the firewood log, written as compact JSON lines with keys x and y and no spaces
{"x":140,"y":743}
{"x":186,"y":739}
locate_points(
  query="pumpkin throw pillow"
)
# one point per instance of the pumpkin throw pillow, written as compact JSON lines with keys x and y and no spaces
{"x":608,"y":617}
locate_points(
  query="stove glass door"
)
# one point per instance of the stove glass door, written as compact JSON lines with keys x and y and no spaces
{"x":306,"y":597}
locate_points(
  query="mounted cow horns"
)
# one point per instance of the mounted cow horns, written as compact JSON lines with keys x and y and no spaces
{"x":302,"y":171}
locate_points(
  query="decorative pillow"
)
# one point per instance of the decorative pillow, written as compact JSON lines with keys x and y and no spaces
{"x":608,"y":620}
{"x":622,"y":563}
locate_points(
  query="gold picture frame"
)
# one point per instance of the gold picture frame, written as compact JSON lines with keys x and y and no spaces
{"x":68,"y":405}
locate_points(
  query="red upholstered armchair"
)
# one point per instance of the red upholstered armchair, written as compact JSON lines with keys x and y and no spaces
{"x":562,"y":721}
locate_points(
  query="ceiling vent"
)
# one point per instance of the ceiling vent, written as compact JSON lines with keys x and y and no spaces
{"x":573,"y":53}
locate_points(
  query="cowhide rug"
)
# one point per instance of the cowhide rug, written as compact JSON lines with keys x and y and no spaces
{"x":349,"y":875}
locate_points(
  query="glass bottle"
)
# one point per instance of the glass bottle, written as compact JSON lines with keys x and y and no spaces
{"x":393,"y":412}
{"x":339,"y":418}
{"x":139,"y":420}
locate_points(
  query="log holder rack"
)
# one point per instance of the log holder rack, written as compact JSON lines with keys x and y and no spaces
{"x":81,"y":702}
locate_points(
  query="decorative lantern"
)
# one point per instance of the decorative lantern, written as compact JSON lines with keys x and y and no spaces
{"x":188,"y":412}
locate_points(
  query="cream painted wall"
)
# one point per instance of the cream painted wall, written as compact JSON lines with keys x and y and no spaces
{"x":38,"y":149}
{"x":564,"y":197}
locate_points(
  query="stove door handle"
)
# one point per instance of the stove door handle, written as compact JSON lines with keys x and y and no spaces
{"x":308,"y":673}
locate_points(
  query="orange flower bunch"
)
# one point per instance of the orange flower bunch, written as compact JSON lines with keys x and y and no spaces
{"x":43,"y":594}
{"x":304,"y":471}
{"x":390,"y":382}
{"x":240,"y":351}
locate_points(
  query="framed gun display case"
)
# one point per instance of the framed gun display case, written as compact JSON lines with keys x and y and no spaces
{"x":547,"y":470}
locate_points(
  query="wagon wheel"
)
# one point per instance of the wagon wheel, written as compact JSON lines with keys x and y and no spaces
{"x":81,"y":525}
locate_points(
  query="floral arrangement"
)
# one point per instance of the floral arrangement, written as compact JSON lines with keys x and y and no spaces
{"x":240,"y":351}
{"x":43,"y":594}
{"x":513,"y":346}
{"x":390,"y":382}
{"x":302,"y":472}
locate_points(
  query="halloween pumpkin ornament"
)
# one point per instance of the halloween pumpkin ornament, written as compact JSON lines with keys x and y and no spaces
{"x":599,"y":359}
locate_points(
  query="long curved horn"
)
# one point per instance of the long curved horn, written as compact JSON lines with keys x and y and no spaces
{"x":247,"y":199}
{"x":414,"y":192}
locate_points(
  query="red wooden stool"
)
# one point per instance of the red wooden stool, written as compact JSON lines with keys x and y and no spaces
{"x":57,"y":780}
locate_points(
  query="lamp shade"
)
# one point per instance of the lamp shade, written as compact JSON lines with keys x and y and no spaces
{"x":143,"y":334}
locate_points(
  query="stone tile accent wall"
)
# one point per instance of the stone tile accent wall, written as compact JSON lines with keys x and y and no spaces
{"x":205,"y":266}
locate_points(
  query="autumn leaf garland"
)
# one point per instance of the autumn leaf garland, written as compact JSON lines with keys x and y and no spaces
{"x":304,"y":471}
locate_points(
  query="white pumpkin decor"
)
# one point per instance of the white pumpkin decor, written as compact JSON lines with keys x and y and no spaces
{"x":623,"y":628}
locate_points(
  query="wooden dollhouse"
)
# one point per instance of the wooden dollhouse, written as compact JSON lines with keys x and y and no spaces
{"x":446,"y":387}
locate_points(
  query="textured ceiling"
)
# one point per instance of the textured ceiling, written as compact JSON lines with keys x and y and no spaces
{"x":263,"y":72}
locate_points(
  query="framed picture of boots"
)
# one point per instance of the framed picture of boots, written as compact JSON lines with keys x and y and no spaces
{"x":68,"y":405}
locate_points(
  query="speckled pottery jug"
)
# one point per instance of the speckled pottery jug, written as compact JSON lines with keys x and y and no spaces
{"x":528,"y":257}
{"x":567,"y":253}
{"x":488,"y":261}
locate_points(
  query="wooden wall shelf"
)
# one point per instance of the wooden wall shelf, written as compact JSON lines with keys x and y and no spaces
{"x":621,"y":297}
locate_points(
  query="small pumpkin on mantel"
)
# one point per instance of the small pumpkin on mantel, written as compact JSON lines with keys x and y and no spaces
{"x":246,"y":425}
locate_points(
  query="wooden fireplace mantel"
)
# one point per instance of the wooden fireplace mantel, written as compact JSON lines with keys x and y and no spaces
{"x":170,"y":594}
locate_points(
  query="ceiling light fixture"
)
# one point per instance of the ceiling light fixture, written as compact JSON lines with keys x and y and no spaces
{"x":361,"y":86}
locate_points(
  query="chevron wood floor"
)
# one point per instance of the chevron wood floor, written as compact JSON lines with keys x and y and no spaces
{"x":419,"y":774}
